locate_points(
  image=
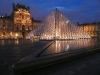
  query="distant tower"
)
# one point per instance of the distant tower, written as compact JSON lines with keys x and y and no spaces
{"x":77,"y":23}
{"x":28,"y":8}
{"x":13,"y":6}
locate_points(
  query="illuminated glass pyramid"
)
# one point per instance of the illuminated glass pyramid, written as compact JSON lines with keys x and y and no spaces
{"x":57,"y":26}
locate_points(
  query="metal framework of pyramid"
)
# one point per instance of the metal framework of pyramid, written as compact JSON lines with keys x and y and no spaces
{"x":57,"y":26}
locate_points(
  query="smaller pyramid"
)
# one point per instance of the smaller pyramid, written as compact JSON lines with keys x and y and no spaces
{"x":57,"y":26}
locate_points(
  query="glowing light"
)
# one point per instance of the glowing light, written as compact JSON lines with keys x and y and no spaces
{"x":67,"y":21}
{"x":16,"y":42}
{"x":16,"y":34}
{"x":11,"y":33}
{"x":54,"y":27}
{"x":67,"y":47}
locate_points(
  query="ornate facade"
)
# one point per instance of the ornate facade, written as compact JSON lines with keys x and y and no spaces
{"x":18,"y":24}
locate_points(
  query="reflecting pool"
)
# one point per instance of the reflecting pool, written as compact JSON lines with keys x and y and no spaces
{"x":69,"y":45}
{"x":14,"y":41}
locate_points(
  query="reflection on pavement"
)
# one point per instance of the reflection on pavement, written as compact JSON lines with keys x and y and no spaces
{"x":69,"y":45}
{"x":15,"y":42}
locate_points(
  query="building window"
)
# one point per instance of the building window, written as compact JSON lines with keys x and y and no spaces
{"x":17,"y":27}
{"x":3,"y":33}
{"x":28,"y":28}
{"x":16,"y":16}
{"x":23,"y":27}
{"x":22,"y":16}
{"x":4,"y":21}
{"x":4,"y":26}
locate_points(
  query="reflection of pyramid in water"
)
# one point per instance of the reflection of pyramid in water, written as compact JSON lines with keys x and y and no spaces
{"x":57,"y":26}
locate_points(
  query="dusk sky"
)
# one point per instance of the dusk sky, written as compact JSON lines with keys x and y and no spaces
{"x":82,"y":11}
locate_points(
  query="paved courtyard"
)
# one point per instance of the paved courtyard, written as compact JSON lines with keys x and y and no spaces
{"x":11,"y":52}
{"x":86,"y":65}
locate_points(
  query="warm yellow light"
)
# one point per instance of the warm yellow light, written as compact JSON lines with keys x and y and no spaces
{"x":16,"y":34}
{"x":11,"y":33}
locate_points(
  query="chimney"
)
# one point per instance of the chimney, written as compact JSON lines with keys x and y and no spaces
{"x":6,"y":15}
{"x":77,"y":23}
{"x":13,"y":6}
{"x":28,"y":8}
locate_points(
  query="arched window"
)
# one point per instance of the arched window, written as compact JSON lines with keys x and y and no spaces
{"x":22,"y":16}
{"x":17,"y":27}
{"x":3,"y":25}
{"x":23,"y":27}
{"x":3,"y":33}
{"x":3,"y":21}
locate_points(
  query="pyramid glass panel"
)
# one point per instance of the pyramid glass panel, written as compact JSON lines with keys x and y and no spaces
{"x":57,"y":26}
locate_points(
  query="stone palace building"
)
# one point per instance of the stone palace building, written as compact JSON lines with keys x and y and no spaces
{"x":18,"y":24}
{"x":93,"y":29}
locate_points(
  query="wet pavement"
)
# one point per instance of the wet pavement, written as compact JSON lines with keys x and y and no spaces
{"x":62,"y":46}
{"x":84,"y":65}
{"x":11,"y":52}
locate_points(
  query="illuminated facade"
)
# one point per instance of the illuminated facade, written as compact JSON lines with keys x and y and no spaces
{"x":93,"y":29}
{"x":6,"y":27}
{"x":18,"y":24}
{"x":57,"y":26}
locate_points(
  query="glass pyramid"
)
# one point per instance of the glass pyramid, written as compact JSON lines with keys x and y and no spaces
{"x":57,"y":26}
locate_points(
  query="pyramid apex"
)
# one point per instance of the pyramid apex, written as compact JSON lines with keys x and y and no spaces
{"x":56,"y":8}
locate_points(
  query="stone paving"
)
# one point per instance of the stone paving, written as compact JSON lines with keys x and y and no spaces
{"x":86,"y":65}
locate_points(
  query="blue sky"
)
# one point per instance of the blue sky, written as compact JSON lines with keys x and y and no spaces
{"x":82,"y":11}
